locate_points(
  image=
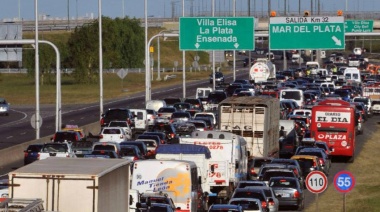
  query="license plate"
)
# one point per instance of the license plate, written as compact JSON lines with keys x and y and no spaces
{"x":283,"y":194}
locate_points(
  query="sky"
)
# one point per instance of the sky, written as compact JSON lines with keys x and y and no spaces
{"x":58,"y":9}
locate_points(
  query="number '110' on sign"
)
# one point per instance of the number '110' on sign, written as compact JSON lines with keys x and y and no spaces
{"x":316,"y":182}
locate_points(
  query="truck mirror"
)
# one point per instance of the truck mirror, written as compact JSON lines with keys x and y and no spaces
{"x":212,"y":168}
{"x":131,"y":200}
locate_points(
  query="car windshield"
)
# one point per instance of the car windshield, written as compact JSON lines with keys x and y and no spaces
{"x":118,"y":124}
{"x":270,"y":174}
{"x":104,"y":147}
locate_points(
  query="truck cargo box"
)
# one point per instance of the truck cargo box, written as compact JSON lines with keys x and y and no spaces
{"x":74,"y":184}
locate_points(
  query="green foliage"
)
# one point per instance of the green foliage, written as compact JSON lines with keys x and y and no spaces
{"x":123,"y":46}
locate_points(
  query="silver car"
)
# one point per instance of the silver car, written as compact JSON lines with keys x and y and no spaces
{"x":4,"y":107}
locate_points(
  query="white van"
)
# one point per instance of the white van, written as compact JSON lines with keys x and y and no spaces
{"x":293,"y":94}
{"x":352,"y":74}
{"x":141,"y":122}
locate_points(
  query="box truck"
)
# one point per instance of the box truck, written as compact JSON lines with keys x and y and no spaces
{"x":74,"y":184}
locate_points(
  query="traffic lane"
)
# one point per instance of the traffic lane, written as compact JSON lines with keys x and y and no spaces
{"x":19,"y":130}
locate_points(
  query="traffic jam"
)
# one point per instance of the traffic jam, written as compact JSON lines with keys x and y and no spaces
{"x":254,"y":144}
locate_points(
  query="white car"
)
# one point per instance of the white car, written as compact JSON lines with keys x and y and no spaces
{"x":114,"y":134}
{"x":57,"y":149}
{"x":123,"y":124}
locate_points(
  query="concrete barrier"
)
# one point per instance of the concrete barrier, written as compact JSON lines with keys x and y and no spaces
{"x":13,"y":157}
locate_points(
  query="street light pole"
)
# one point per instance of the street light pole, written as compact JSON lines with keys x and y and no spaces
{"x":19,"y":10}
{"x":68,"y":14}
{"x":147,"y":74}
{"x":37,"y":70}
{"x":100,"y":56}
{"x":183,"y":59}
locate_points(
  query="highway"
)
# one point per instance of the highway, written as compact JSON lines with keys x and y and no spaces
{"x":16,"y":128}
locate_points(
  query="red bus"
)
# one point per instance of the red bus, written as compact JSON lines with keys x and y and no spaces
{"x":334,"y":122}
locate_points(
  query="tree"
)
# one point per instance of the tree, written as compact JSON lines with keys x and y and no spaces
{"x":123,"y":46}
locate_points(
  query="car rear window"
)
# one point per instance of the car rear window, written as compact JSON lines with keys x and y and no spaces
{"x":285,"y":183}
{"x":104,"y":147}
{"x":247,"y":205}
{"x":54,"y":148}
{"x":34,"y":148}
{"x":111,"y":131}
{"x":249,"y":194}
{"x":270,"y":174}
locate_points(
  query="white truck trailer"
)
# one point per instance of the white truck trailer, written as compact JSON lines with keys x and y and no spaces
{"x":262,"y":70}
{"x":256,"y":119}
{"x":178,"y":178}
{"x":228,"y":163}
{"x":74,"y":184}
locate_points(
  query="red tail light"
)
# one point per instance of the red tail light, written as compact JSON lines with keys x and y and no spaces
{"x":100,"y":136}
{"x":314,"y":164}
{"x":38,"y":156}
{"x":321,"y":161}
{"x":129,"y":121}
{"x":25,"y":154}
{"x":264,"y":204}
{"x":295,"y":171}
{"x":205,"y":129}
{"x":101,"y":121}
{"x":135,"y":158}
{"x":296,"y":194}
{"x":76,"y":138}
{"x":171,"y":135}
{"x":252,"y":171}
{"x":271,"y":203}
{"x":159,"y":115}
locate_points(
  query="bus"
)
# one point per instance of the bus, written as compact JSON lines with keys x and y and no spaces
{"x":335,"y":122}
{"x":178,"y":178}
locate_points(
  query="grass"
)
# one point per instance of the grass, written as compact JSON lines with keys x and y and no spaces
{"x":366,"y":193}
{"x":113,"y":87}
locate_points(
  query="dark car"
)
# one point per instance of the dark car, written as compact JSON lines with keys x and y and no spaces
{"x":32,"y":153}
{"x":161,"y":135}
{"x":197,"y":103}
{"x":68,"y":136}
{"x":169,"y":130}
{"x":254,"y":165}
{"x":141,"y":145}
{"x":117,"y":114}
{"x":219,"y":77}
{"x":288,"y":191}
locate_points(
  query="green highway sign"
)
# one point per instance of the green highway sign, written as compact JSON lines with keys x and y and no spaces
{"x":216,"y":33}
{"x":286,"y":33}
{"x":358,"y":26}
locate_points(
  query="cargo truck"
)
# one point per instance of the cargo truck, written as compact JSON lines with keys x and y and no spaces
{"x":256,"y":119}
{"x":74,"y":184}
{"x":178,"y":178}
{"x":228,"y":163}
{"x":200,"y":155}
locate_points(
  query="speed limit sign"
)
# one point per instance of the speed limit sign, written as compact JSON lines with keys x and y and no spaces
{"x":316,"y":182}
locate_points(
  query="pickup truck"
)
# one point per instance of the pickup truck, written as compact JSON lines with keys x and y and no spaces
{"x":58,"y":149}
